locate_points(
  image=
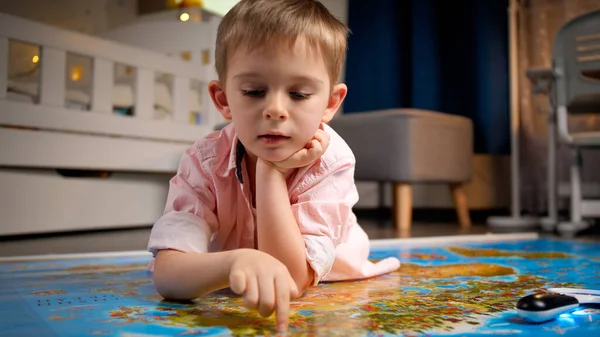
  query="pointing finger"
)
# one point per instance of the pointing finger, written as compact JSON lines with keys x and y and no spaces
{"x":283,"y":303}
{"x":251,"y":295}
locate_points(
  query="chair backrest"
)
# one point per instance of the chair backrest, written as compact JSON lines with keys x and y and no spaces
{"x":576,"y":63}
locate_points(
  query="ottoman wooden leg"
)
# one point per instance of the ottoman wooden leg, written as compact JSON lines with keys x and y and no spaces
{"x":460,"y":202}
{"x":403,"y":206}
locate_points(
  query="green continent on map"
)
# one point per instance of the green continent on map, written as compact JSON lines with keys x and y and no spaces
{"x":413,"y":299}
{"x":454,"y":270}
{"x":482,"y":252}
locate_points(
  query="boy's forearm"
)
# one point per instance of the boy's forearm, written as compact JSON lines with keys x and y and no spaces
{"x":186,"y":276}
{"x":278,"y":232}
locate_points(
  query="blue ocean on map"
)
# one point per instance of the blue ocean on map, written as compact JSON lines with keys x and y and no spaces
{"x":442,"y":289}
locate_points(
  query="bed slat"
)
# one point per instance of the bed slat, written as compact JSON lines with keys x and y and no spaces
{"x":144,"y":93}
{"x":102,"y":87}
{"x":53,"y":80}
{"x":181,"y":99}
{"x":60,"y":119}
{"x":3,"y":66}
{"x":44,"y":149}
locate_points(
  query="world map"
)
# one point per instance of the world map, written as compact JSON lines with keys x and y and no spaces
{"x":469,"y":289}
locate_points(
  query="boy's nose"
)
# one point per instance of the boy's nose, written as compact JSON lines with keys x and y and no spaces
{"x":275,"y":109}
{"x":275,"y":114}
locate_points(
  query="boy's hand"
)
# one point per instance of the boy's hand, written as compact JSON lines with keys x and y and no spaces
{"x":312,"y":151}
{"x":264,"y":283}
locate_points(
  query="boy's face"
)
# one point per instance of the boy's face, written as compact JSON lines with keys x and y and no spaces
{"x":276,"y":98}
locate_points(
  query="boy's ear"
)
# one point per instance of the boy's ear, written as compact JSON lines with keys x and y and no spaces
{"x":335,"y":100}
{"x":217,"y":94}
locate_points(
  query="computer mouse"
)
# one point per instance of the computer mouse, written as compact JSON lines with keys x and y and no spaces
{"x":545,"y":306}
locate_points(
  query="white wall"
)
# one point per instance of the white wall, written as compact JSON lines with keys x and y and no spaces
{"x":219,"y":6}
{"x":339,"y":9}
{"x":86,"y":16}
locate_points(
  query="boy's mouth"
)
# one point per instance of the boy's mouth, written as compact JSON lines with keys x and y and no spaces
{"x":273,"y":138}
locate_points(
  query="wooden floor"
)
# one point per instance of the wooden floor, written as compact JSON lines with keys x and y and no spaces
{"x":377,"y":227}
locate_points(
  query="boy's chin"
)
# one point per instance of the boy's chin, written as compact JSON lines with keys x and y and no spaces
{"x":275,"y":156}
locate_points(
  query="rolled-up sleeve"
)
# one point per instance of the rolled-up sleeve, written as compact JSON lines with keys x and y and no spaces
{"x":188,"y":220}
{"x":323,"y":211}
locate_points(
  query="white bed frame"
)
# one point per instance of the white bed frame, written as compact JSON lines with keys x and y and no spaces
{"x":140,"y":152}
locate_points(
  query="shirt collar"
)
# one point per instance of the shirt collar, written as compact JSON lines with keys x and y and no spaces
{"x":238,"y":151}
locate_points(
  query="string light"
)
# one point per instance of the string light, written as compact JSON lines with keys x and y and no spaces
{"x":76,"y":73}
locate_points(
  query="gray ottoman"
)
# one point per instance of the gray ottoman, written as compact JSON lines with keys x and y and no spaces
{"x":408,"y":146}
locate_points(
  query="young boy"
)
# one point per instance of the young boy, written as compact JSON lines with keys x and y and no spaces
{"x":264,"y":206}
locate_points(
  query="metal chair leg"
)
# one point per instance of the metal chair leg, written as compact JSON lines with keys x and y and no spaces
{"x":550,"y":222}
{"x":576,"y":186}
{"x":576,"y":223}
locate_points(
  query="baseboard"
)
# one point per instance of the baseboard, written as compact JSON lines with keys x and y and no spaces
{"x":589,"y":189}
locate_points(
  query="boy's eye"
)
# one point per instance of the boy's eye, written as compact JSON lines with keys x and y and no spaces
{"x":253,"y":93}
{"x":299,"y":95}
{"x":261,"y":93}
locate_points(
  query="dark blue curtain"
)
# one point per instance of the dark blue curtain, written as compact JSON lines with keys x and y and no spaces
{"x":448,"y":56}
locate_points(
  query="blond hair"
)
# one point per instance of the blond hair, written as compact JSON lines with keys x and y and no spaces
{"x":258,"y":23}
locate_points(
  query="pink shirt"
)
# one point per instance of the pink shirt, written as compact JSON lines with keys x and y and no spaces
{"x":208,"y":208}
